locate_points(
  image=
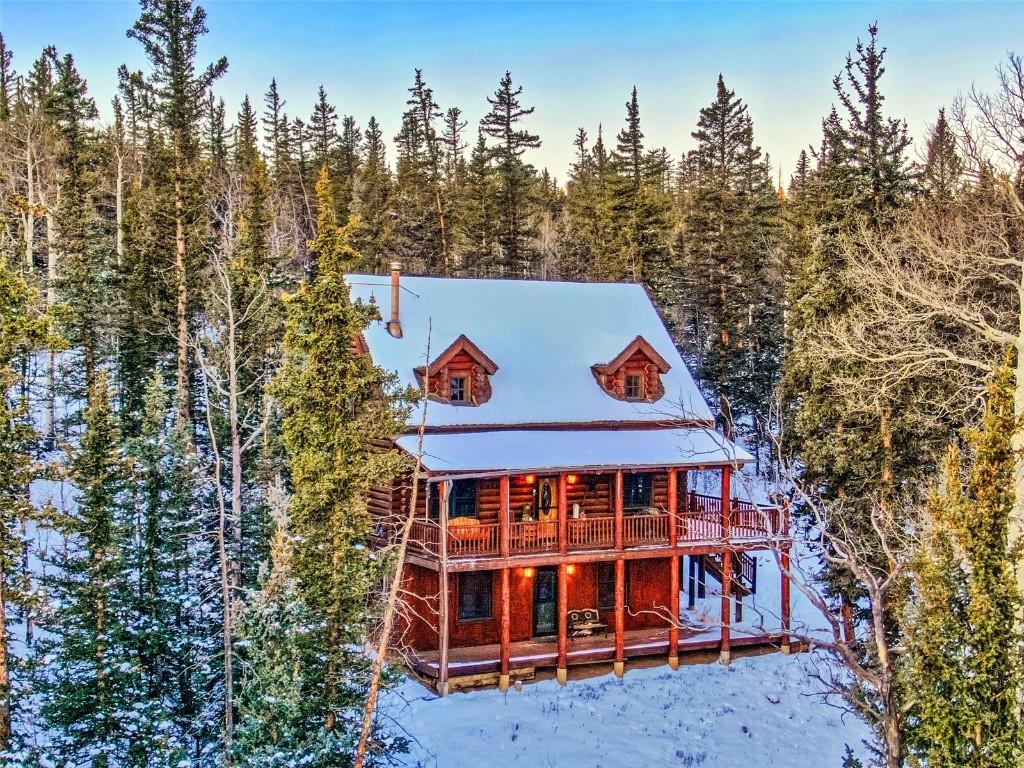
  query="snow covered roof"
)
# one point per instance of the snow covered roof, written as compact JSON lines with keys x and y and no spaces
{"x":536,"y":450}
{"x":544,"y":337}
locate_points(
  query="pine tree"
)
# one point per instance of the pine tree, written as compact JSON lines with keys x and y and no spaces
{"x":942,"y":174}
{"x":87,"y":669}
{"x":964,"y":667}
{"x":478,"y":222}
{"x":169,"y":31}
{"x":335,"y":402}
{"x":733,"y":291}
{"x":20,"y":334}
{"x":514,"y":177}
{"x":372,"y":202}
{"x":8,"y":77}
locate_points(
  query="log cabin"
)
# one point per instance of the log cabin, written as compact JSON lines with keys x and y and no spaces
{"x":557,"y":521}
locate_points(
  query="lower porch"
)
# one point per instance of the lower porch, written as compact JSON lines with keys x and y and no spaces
{"x":481,"y":665}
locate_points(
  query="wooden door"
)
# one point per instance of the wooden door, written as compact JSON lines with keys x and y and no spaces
{"x":545,"y":602}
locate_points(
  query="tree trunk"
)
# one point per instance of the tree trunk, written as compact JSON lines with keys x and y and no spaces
{"x":5,"y":679}
{"x":182,"y":292}
{"x":119,"y":208}
{"x":30,"y":217}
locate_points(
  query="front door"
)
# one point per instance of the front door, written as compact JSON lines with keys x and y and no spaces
{"x":545,"y":602}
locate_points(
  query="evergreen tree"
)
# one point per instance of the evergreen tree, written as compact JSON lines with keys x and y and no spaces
{"x":733,"y":289}
{"x":169,"y":31}
{"x":336,"y":403}
{"x":87,"y":670}
{"x":478,"y":220}
{"x":372,"y":202}
{"x":20,"y":334}
{"x":514,"y":177}
{"x":964,"y":666}
{"x":942,"y":174}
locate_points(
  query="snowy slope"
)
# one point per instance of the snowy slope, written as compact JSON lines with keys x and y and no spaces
{"x":757,"y":712}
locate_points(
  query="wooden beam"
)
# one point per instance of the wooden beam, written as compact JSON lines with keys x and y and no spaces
{"x":726,"y":605}
{"x":620,"y":617}
{"x":563,"y":622}
{"x":618,"y":509}
{"x":673,"y":627}
{"x":506,"y":629}
{"x":442,"y":677}
{"x":563,"y":514}
{"x":784,"y":558}
{"x":503,"y":517}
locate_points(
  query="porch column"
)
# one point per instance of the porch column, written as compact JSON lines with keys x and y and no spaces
{"x":673,"y":628}
{"x":726,"y":503}
{"x":506,"y":632}
{"x":618,"y":509}
{"x":563,"y":514}
{"x":563,"y":624}
{"x":503,"y":516}
{"x":620,"y":614}
{"x":442,"y":673}
{"x":784,"y":558}
{"x":673,"y":540}
{"x":726,"y":604}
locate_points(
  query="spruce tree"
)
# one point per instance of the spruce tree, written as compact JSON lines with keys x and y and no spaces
{"x":336,"y":402}
{"x":87,"y":669}
{"x":942,"y":174}
{"x":514,"y":177}
{"x":372,"y":202}
{"x":964,"y":666}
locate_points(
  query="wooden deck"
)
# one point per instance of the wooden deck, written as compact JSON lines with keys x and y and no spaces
{"x":543,"y":652}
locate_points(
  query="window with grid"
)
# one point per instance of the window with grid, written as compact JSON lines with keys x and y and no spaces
{"x":476,"y":590}
{"x":634,"y":387}
{"x":463,"y":501}
{"x":606,"y":586}
{"x":459,"y":389}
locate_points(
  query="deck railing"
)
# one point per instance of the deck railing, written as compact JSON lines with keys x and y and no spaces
{"x":699,"y":520}
{"x":592,"y":532}
{"x":641,"y":530}
{"x":533,"y":536}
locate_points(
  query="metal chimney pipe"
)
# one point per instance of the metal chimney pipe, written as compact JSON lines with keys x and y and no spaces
{"x":395,"y":324}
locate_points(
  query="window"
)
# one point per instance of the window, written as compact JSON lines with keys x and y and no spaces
{"x":634,"y":387}
{"x":459,"y":389}
{"x":463,"y":501}
{"x":606,"y":586}
{"x":636,"y":491}
{"x":476,"y":590}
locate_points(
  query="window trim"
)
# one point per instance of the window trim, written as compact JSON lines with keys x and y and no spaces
{"x":464,"y":388}
{"x":461,"y":490}
{"x":625,"y":586}
{"x":463,"y":577}
{"x":640,"y":388}
{"x":632,"y":477}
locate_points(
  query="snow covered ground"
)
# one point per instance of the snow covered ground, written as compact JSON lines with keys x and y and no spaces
{"x":757,"y":712}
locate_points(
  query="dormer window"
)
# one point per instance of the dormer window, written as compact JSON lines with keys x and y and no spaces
{"x":461,"y":375}
{"x":459,"y":389}
{"x":634,"y":387}
{"x":635,"y":373}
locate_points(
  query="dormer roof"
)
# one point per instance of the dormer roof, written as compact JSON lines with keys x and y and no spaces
{"x":461,"y":344}
{"x":641,"y":345}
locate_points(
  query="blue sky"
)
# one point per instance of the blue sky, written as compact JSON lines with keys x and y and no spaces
{"x":576,"y":61}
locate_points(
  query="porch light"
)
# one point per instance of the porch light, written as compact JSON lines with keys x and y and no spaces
{"x":531,"y":479}
{"x":571,"y":479}
{"x":570,"y":569}
{"x":528,"y":572}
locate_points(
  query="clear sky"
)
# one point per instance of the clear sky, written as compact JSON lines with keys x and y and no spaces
{"x":576,"y":61}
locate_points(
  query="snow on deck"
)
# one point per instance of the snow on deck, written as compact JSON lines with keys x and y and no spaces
{"x":525,"y":450}
{"x":544,"y":337}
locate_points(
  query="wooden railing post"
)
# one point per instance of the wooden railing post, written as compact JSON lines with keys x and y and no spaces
{"x":506,"y":631}
{"x":620,"y":617}
{"x":618,"y":509}
{"x":726,"y":505}
{"x":673,"y":627}
{"x":784,"y":558}
{"x":563,"y":514}
{"x":442,"y":674}
{"x":504,"y":543}
{"x":563,"y":624}
{"x":673,"y":508}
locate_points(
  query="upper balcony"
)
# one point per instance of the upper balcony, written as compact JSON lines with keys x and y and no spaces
{"x":570,"y":513}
